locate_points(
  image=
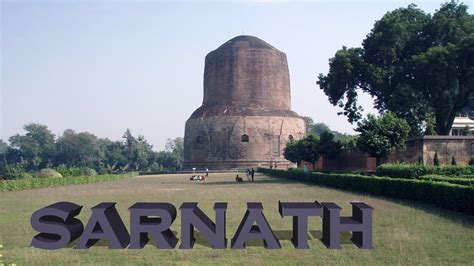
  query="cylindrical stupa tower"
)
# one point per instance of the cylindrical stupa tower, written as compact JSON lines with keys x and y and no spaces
{"x":245,"y":119}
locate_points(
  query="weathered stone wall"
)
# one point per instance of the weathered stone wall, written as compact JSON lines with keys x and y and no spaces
{"x":216,"y":142}
{"x":410,"y":154}
{"x":350,"y":160}
{"x":447,"y":147}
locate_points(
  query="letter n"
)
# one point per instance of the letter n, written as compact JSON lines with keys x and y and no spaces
{"x":193,"y":217}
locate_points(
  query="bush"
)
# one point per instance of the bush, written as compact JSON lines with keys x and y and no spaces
{"x":49,"y":173}
{"x":409,"y":171}
{"x":436,"y":160}
{"x":75,"y":171}
{"x":452,"y":180}
{"x":450,"y":196}
{"x":20,"y":184}
{"x":450,"y":170}
{"x":14,"y":171}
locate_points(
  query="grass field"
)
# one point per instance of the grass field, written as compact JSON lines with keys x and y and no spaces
{"x":403,"y":232}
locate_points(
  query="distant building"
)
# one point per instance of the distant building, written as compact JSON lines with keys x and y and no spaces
{"x":463,"y":118}
{"x":460,"y":123}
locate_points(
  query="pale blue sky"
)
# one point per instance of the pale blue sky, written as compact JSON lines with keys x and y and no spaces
{"x":104,"y":66}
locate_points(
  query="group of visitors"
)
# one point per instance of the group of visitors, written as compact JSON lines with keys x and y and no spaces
{"x":250,"y":173}
{"x":196,"y":177}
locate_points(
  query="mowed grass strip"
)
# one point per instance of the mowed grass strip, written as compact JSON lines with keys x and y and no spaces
{"x":404,"y":232}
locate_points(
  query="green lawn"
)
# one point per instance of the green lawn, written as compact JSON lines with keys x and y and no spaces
{"x":404,"y":232}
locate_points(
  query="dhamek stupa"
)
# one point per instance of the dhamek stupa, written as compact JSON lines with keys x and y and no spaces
{"x":245,"y":119}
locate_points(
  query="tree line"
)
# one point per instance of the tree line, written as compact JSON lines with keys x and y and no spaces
{"x":39,"y":148}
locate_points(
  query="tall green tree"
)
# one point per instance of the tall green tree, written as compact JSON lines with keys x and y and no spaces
{"x":3,"y":153}
{"x":294,"y":151}
{"x":412,"y":63}
{"x":36,"y":147}
{"x":305,"y":149}
{"x":114,"y":154}
{"x":380,"y":135}
{"x":78,"y":149}
{"x":328,"y":147}
{"x":176,"y":147}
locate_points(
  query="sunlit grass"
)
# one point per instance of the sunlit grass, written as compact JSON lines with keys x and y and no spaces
{"x":404,"y":232}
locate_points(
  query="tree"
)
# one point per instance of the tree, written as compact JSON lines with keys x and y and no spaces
{"x":167,"y":160}
{"x":78,"y":149}
{"x":412,"y":63}
{"x":308,"y":122}
{"x":293,"y":151}
{"x":114,"y":154}
{"x":305,"y":149}
{"x":436,"y":159}
{"x":328,"y":147}
{"x":379,"y":135}
{"x":36,"y":147}
{"x":466,"y":131}
{"x":130,"y":143}
{"x":176,"y":147}
{"x":3,"y":158}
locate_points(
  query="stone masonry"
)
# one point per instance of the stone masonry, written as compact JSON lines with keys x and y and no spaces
{"x":245,"y":119}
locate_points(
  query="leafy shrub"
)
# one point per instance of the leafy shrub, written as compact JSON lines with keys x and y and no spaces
{"x":411,"y":171}
{"x":420,"y":161}
{"x":20,"y":184}
{"x":450,"y":196}
{"x":450,"y":170}
{"x":452,"y":180}
{"x":49,"y":173}
{"x":471,"y":162}
{"x":436,"y":159}
{"x":14,"y":171}
{"x":88,"y":171}
{"x":400,"y":170}
{"x":75,"y":171}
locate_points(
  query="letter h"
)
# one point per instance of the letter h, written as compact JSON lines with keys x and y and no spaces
{"x":360,"y":224}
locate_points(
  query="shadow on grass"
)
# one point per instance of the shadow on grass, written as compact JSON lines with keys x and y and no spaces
{"x":465,"y":220}
{"x":256,"y":182}
{"x":282,"y":235}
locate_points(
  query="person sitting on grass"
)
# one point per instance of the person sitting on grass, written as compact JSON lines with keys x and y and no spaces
{"x":238,"y":179}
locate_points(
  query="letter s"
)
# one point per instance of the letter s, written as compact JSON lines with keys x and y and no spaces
{"x":57,"y":225}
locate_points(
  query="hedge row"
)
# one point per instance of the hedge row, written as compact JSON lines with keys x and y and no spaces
{"x":30,"y":183}
{"x":454,"y":180}
{"x":450,"y":196}
{"x":415,"y":170}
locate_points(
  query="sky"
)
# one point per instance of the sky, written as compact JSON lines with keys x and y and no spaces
{"x":105,"y":66}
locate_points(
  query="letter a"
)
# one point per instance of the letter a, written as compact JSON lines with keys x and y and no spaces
{"x":261,"y":230}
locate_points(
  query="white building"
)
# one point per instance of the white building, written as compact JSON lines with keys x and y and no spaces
{"x":460,"y":122}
